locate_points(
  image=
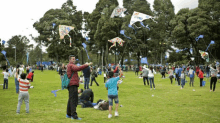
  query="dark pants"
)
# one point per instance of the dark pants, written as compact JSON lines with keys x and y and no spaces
{"x":93,"y":79}
{"x":152,"y":82}
{"x":136,"y":72}
{"x":213,"y":81}
{"x":201,"y":79}
{"x":27,"y":71}
{"x":16,"y":85}
{"x":171,"y":79}
{"x":86,"y":103}
{"x":86,"y":83}
{"x":105,"y":79}
{"x":144,"y":79}
{"x":73,"y":101}
{"x":178,"y":79}
{"x":163,"y":75}
{"x":5,"y":86}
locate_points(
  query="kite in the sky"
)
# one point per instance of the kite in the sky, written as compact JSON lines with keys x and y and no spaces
{"x":3,"y":42}
{"x":204,"y":55}
{"x":118,"y":11}
{"x":114,"y":40}
{"x":123,"y":33}
{"x":212,"y":42}
{"x":64,"y":30}
{"x":137,"y":16}
{"x":4,"y":53}
{"x":201,"y":36}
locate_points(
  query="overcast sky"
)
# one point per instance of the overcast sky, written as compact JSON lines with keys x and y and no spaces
{"x":18,"y":16}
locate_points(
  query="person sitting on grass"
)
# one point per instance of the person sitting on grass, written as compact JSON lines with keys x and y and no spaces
{"x":30,"y":76}
{"x":24,"y":85}
{"x":111,"y":86}
{"x":86,"y":97}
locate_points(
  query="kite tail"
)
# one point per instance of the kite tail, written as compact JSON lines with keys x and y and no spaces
{"x":87,"y":54}
{"x":111,"y":46}
{"x":207,"y":47}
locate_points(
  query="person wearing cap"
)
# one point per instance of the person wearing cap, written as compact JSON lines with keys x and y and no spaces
{"x":145,"y":72}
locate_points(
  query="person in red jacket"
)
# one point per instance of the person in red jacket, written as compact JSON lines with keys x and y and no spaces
{"x":200,"y":77}
{"x":73,"y":87}
{"x":30,"y":76}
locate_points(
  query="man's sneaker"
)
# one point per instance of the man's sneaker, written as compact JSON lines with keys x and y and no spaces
{"x":116,"y":114}
{"x":67,"y":116}
{"x":76,"y":118}
{"x":110,"y":116}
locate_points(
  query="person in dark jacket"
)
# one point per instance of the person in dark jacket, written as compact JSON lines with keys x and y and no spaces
{"x":94,"y":74}
{"x":86,"y":73}
{"x":86,"y":97}
{"x":62,"y":71}
{"x":73,"y":86}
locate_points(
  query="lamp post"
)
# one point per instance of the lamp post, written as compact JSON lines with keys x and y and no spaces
{"x":15,"y":53}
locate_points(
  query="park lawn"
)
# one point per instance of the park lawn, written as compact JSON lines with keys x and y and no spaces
{"x":168,"y":103}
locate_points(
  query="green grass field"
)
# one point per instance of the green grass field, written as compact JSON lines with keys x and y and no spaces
{"x":169,"y":104}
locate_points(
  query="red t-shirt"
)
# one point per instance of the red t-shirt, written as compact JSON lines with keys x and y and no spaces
{"x":200,"y":74}
{"x":30,"y":75}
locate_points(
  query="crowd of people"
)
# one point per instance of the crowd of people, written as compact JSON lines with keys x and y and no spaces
{"x":112,"y":75}
{"x":180,"y":72}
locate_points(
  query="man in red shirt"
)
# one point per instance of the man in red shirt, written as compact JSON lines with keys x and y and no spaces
{"x":73,"y":87}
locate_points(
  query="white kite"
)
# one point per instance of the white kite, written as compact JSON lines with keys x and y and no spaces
{"x":137,"y":16}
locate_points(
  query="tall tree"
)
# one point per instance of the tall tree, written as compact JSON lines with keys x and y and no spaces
{"x":212,"y":8}
{"x":163,"y":13}
{"x":138,"y":43}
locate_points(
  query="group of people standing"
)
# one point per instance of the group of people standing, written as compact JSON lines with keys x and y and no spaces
{"x":180,"y":73}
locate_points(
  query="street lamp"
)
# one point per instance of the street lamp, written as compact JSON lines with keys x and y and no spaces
{"x":15,"y":53}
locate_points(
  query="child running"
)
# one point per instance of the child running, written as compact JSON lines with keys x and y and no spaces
{"x":111,"y":86}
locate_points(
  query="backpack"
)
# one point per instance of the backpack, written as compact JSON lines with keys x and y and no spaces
{"x":66,"y":81}
{"x":96,"y":75}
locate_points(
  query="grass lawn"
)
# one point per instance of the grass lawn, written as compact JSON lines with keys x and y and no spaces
{"x":168,"y":103}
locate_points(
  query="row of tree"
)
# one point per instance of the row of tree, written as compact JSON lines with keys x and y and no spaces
{"x":171,"y":31}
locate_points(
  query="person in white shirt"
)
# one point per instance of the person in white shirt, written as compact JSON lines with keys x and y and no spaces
{"x":6,"y":75}
{"x":21,"y":70}
{"x":145,"y":72}
{"x":151,"y":77}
